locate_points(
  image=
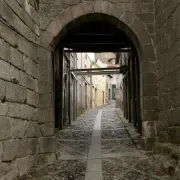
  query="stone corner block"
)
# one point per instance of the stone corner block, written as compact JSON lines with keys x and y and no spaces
{"x":48,"y":158}
{"x":47,"y":144}
{"x":147,"y":143}
{"x":24,"y":165}
{"x":10,"y":150}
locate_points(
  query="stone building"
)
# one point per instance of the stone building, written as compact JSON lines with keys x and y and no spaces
{"x":33,"y":34}
{"x":98,"y":86}
{"x":84,"y":84}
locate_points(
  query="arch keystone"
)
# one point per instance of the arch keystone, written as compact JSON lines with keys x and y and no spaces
{"x":117,"y":10}
{"x":88,"y":8}
{"x":77,"y":11}
{"x":105,"y":7}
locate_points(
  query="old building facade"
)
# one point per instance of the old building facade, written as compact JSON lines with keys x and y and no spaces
{"x":31,"y":33}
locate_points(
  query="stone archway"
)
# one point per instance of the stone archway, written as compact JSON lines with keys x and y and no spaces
{"x":137,"y":31}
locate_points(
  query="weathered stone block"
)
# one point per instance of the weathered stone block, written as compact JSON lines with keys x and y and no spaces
{"x":11,"y":175}
{"x":150,"y":90}
{"x":142,"y":7}
{"x":6,"y":123}
{"x":7,"y":13}
{"x":174,"y":117}
{"x":149,"y":54}
{"x":24,"y":165}
{"x":8,"y":34}
{"x":146,"y":17}
{"x":13,"y":110}
{"x":149,"y":129}
{"x":77,"y":11}
{"x":28,"y":48}
{"x":49,"y":158}
{"x":149,"y":67}
{"x":147,"y":143}
{"x":45,"y":100}
{"x":1,"y":152}
{"x":23,"y":148}
{"x":144,"y":37}
{"x":30,"y":67}
{"x":26,"y":80}
{"x":149,"y":79}
{"x":47,"y":144}
{"x":2,"y":89}
{"x":117,"y":10}
{"x":44,"y":55}
{"x":32,"y":98}
{"x":56,"y":26}
{"x":106,"y":7}
{"x":45,"y":87}
{"x":88,"y":7}
{"x":15,"y":93}
{"x":45,"y":74}
{"x":5,"y":50}
{"x":47,"y":129}
{"x":175,"y":98}
{"x":19,"y":128}
{"x":6,"y":70}
{"x":164,"y":102}
{"x":45,"y":115}
{"x":150,"y":103}
{"x":174,"y":134}
{"x":26,"y":111}
{"x":127,"y":18}
{"x":137,"y":25}
{"x":36,"y":85}
{"x":46,"y":39}
{"x":35,"y":114}
{"x":151,"y":115}
{"x":33,"y":146}
{"x":33,"y":130}
{"x":3,"y":109}
{"x":4,"y":169}
{"x":16,"y":58}
{"x":10,"y":150}
{"x":177,"y":171}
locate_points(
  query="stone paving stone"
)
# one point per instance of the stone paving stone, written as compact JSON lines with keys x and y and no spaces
{"x":113,"y":134}
{"x":62,"y":170}
{"x":77,"y":146}
{"x":117,"y":146}
{"x":120,"y":159}
{"x":75,"y":135}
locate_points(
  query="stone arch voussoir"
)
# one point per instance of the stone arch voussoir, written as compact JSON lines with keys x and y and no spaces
{"x":63,"y":18}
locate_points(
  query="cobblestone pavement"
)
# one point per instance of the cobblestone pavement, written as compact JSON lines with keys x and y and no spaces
{"x":119,"y":157}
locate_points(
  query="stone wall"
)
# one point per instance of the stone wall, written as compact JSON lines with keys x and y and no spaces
{"x":167,"y":16}
{"x":83,"y":84}
{"x":26,"y":70}
{"x":22,"y":128}
{"x":167,"y":46}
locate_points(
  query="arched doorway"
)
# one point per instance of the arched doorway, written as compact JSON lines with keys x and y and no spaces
{"x":97,"y":33}
{"x":136,"y":31}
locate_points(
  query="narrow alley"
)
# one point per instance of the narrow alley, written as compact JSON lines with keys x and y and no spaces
{"x":99,"y":146}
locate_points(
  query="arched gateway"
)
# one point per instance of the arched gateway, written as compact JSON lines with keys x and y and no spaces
{"x":129,"y":31}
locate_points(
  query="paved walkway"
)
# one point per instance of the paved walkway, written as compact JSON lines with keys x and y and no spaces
{"x":98,"y":147}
